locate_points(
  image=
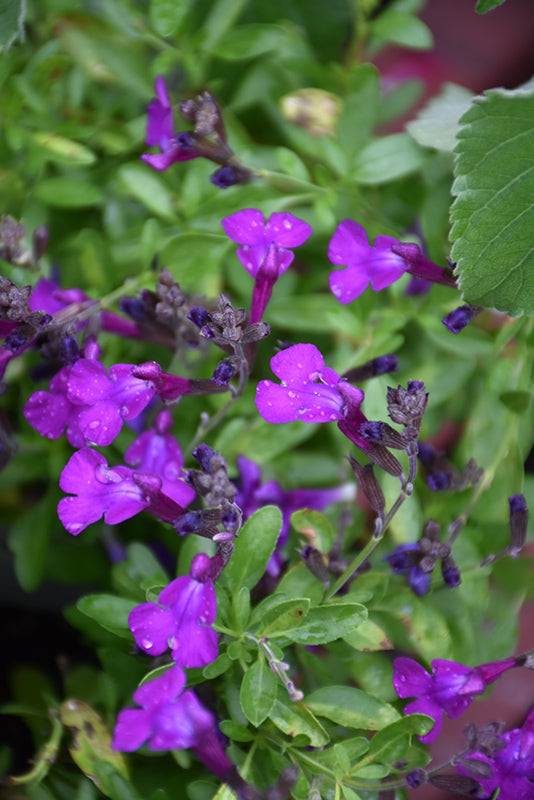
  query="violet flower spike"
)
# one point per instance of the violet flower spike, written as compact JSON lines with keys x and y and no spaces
{"x":450,"y":688}
{"x":160,"y":133}
{"x":187,"y":607}
{"x":310,"y":392}
{"x":264,"y":250}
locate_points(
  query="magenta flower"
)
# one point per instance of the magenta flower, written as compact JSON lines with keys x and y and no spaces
{"x":512,"y":764}
{"x":50,"y":412}
{"x":157,"y":452}
{"x":450,"y":688}
{"x":187,"y":607}
{"x":100,"y":490}
{"x":264,"y":250}
{"x":160,"y":133}
{"x":310,"y":392}
{"x":380,"y":264}
{"x":254,"y":494}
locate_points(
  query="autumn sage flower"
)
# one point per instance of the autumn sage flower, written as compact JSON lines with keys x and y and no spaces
{"x":116,"y":493}
{"x":170,"y":718}
{"x":379,"y":264}
{"x":450,"y":688}
{"x":181,"y":619}
{"x":160,"y":133}
{"x":311,"y":392}
{"x":510,"y":761}
{"x":265,"y":249}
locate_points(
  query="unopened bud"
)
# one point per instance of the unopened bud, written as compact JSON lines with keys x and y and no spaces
{"x":377,"y":366}
{"x":457,"y":320}
{"x":456,"y":784}
{"x":369,"y":484}
{"x":416,"y":778}
{"x":383,"y":434}
{"x":315,"y":562}
{"x":385,"y":460}
{"x":518,"y":523}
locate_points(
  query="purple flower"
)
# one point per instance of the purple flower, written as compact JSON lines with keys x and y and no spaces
{"x":310,"y":392}
{"x":253,"y":494}
{"x":157,"y":452}
{"x":450,"y":688}
{"x":512,"y":765}
{"x":264,"y":249}
{"x":169,"y":718}
{"x":380,"y":264}
{"x":187,"y":607}
{"x":100,"y":490}
{"x":50,"y":412}
{"x":160,"y":133}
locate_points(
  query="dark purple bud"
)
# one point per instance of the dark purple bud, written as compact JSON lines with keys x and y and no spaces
{"x":315,"y":562}
{"x":372,"y":431}
{"x":20,"y":337}
{"x":223,"y":372}
{"x":418,"y":581}
{"x":403,"y":557}
{"x":460,"y":317}
{"x":199,"y":316}
{"x":40,"y":242}
{"x":369,"y":484}
{"x":225,"y":176}
{"x":438,"y":481}
{"x":416,"y":778}
{"x":377,"y":366}
{"x":384,"y":434}
{"x":68,"y":349}
{"x":134,"y":307}
{"x":231,"y":517}
{"x":456,"y":784}
{"x":203,"y":455}
{"x":418,"y":286}
{"x":426,"y":454}
{"x":450,"y":573}
{"x":185,"y":141}
{"x":518,"y":523}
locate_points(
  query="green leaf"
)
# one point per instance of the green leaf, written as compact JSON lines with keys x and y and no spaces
{"x":388,"y":158}
{"x":166,"y":15}
{"x":148,"y":188}
{"x":402,"y":28}
{"x":438,"y":123}
{"x":368,"y":637}
{"x":324,"y":624}
{"x":109,"y":611}
{"x":351,"y":707}
{"x":253,"y":549}
{"x":494,"y":189}
{"x":316,"y":527}
{"x":63,"y":150}
{"x":12,"y":14}
{"x":390,"y":744}
{"x":195,"y":260}
{"x":258,"y":691}
{"x":483,"y":6}
{"x":249,"y":41}
{"x":360,"y":108}
{"x":296,"y":719}
{"x":284,"y":615}
{"x":29,"y":540}
{"x":63,"y":192}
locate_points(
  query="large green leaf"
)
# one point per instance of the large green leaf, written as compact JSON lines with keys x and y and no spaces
{"x":253,"y":548}
{"x":258,"y":691}
{"x":109,"y":611}
{"x":12,"y":14}
{"x":351,"y":707}
{"x":438,"y":123}
{"x":494,"y":189}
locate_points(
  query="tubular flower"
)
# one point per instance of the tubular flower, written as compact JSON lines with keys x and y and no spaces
{"x":187,"y":607}
{"x":310,"y":392}
{"x":450,"y":688}
{"x":160,"y":133}
{"x":380,"y":264}
{"x":265,"y":249}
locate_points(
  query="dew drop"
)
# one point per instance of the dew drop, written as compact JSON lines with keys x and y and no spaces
{"x":147,"y":643}
{"x":287,"y":224}
{"x":292,"y":395}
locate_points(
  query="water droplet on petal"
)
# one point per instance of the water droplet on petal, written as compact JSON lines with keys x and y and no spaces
{"x":146,"y":644}
{"x":291,"y":395}
{"x":287,"y":224}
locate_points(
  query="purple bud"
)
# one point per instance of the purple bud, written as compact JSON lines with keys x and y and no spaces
{"x":416,"y":778}
{"x":225,"y":176}
{"x":198,"y":315}
{"x":185,"y":141}
{"x":460,"y":317}
{"x":438,"y":481}
{"x":68,"y":349}
{"x":418,"y":581}
{"x":377,"y":366}
{"x":315,"y":562}
{"x":518,"y":523}
{"x":372,"y":431}
{"x":403,"y":557}
{"x":426,"y":454}
{"x":203,"y":455}
{"x":134,"y":307}
{"x":450,"y":573}
{"x":223,"y":372}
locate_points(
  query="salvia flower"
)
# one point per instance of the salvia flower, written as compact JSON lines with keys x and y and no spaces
{"x":160,"y":133}
{"x":265,"y":249}
{"x":450,"y":688}
{"x":510,"y":763}
{"x":380,"y":264}
{"x":254,"y":494}
{"x":458,"y":319}
{"x":181,"y":620}
{"x":169,"y":718}
{"x":158,"y":453}
{"x":310,"y":392}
